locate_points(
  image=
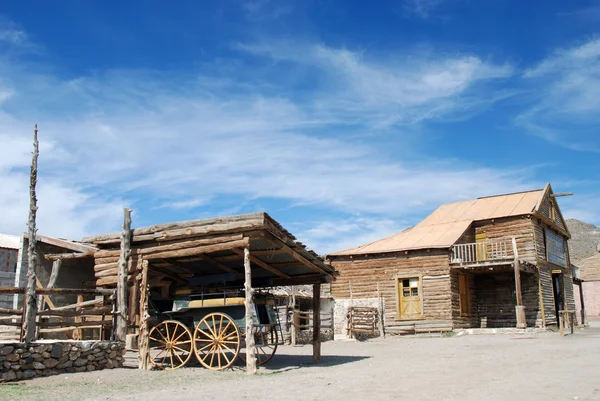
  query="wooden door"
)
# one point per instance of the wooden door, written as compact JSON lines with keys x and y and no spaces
{"x":463,"y":295}
{"x":410,"y":297}
{"x":481,"y":246}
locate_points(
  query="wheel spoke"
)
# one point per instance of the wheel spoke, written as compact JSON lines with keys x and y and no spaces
{"x":157,"y":340}
{"x":229,"y":349}
{"x":171,"y":357}
{"x":212,"y":355}
{"x":178,"y":357}
{"x":181,"y":335}
{"x":174,"y":332}
{"x":205,"y":347}
{"x":180,"y":349}
{"x":227,"y":359}
{"x":205,"y":333}
{"x":220,"y":326}
{"x":161,"y":334}
{"x":219,"y":355}
{"x":167,"y":329}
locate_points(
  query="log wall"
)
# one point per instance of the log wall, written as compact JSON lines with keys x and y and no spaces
{"x":507,"y":228}
{"x":360,"y":277}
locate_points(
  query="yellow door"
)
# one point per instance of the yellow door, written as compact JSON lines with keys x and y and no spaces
{"x":481,"y":250}
{"x":410,"y":297}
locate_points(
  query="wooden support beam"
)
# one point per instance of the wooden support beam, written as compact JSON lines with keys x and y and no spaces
{"x":143,"y":352}
{"x":29,"y":327}
{"x":286,"y":249}
{"x":58,"y":256}
{"x":262,"y":264}
{"x":250,"y":348}
{"x":122,"y":287}
{"x":583,"y":315}
{"x":519,"y":309}
{"x":316,"y":304}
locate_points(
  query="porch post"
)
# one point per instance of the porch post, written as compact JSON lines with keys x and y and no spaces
{"x":583,"y":316}
{"x":123,"y":276}
{"x":250,"y":349}
{"x":316,"y":304}
{"x":519,"y":309}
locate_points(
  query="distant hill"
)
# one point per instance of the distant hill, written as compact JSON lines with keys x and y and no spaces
{"x":584,"y":239}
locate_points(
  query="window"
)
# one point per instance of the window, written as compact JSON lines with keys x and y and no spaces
{"x":464,"y":298}
{"x":409,"y":297}
{"x":555,"y":249}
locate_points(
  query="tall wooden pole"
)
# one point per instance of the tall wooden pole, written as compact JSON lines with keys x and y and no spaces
{"x":519,"y":309}
{"x":122,"y":287}
{"x":30,"y":299}
{"x":143,"y":355}
{"x":250,"y":349}
{"x":316,"y":304}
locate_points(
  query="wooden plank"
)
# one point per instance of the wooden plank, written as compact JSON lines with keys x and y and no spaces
{"x":286,"y":249}
{"x":202,"y":226}
{"x":59,"y":256}
{"x":250,"y":348}
{"x":93,"y":302}
{"x":66,"y":244}
{"x":122,"y":287}
{"x":181,"y":253}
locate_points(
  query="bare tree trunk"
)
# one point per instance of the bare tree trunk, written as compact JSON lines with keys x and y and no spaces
{"x":30,"y":299}
{"x":122,"y":286}
{"x":250,"y":349}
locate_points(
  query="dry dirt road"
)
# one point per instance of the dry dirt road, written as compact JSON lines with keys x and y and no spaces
{"x":486,"y":367}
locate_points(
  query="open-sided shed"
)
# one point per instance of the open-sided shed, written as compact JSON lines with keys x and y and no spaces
{"x":208,"y":256}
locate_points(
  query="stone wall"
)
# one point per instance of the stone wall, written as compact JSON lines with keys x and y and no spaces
{"x":20,"y":361}
{"x":7,"y":279}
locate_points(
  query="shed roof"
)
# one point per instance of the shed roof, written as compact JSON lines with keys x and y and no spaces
{"x":9,"y":241}
{"x":443,"y":227}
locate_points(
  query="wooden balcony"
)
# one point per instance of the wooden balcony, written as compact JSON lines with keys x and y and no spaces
{"x":482,"y":253}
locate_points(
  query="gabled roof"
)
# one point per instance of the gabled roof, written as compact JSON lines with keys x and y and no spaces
{"x":442,"y":228}
{"x":9,"y":241}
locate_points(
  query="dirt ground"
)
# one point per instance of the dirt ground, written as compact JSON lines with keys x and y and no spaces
{"x":484,"y":367}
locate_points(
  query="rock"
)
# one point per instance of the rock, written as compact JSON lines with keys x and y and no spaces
{"x":20,"y":351}
{"x":81,"y":362}
{"x":19,"y":375}
{"x":65,"y":365}
{"x":13,"y":357}
{"x":37,"y":357}
{"x":64,"y":358}
{"x":86,"y":345}
{"x":10,"y":375}
{"x":96,"y":351}
{"x":28,"y":374}
{"x":7,"y":349}
{"x":46,"y":355}
{"x":16,"y":367}
{"x":74,"y":348}
{"x":39,"y":349}
{"x":91,"y":368}
{"x":38,"y":366}
{"x":6,"y":365}
{"x":70,"y":370}
{"x":80,"y":369}
{"x":112,"y":355}
{"x":56,"y":352}
{"x":50,"y":363}
{"x":25,"y":354}
{"x":91,"y":357}
{"x":73,"y":356}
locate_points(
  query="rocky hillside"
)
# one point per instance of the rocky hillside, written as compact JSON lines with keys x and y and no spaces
{"x":584,"y":239}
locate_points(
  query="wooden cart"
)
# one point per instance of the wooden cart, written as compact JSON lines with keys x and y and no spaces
{"x":211,"y":329}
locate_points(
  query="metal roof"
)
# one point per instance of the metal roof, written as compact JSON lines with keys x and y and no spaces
{"x":443,"y":227}
{"x":9,"y":241}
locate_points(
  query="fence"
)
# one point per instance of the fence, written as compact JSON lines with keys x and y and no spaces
{"x":295,"y":321}
{"x":477,"y":252}
{"x":97,"y":313}
{"x":362,"y":320}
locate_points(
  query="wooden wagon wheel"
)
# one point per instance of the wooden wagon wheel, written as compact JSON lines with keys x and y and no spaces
{"x":169,"y":345}
{"x":266,"y":345}
{"x":216,"y":341}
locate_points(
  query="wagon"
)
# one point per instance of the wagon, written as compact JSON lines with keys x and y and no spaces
{"x":211,"y":329}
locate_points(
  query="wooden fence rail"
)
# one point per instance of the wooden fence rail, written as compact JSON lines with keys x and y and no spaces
{"x":84,"y":314}
{"x":294,"y":321}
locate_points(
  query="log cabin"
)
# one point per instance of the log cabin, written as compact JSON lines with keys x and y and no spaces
{"x":492,"y":262}
{"x":587,"y":286}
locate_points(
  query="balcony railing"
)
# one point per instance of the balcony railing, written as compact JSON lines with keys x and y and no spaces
{"x":482,"y":252}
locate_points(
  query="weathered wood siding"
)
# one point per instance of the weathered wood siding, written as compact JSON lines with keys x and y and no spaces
{"x":507,"y":228}
{"x":360,"y":277}
{"x":464,"y":321}
{"x":496,"y":299}
{"x":545,"y":274}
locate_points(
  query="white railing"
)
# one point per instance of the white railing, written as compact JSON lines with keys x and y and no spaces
{"x":481,"y":252}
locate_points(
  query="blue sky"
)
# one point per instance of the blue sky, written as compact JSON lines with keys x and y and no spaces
{"x":345,"y":122}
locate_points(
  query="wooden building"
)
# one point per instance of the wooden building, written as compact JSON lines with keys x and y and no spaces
{"x":499,"y":261}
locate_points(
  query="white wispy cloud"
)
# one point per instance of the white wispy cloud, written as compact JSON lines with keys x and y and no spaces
{"x":175,"y":141}
{"x":402,"y":89}
{"x":567,"y":108}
